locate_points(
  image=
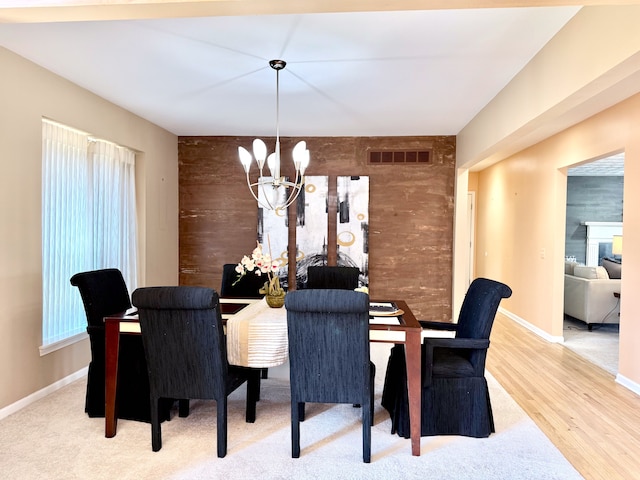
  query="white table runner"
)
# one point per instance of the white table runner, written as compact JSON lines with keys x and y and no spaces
{"x":257,"y":336}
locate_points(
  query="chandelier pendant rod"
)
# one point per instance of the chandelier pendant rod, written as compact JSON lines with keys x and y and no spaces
{"x":277,"y":151}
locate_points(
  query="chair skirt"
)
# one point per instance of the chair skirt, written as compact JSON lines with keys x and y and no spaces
{"x":133,"y":381}
{"x":450,"y":406}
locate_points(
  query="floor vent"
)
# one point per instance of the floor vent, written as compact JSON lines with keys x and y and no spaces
{"x":385,"y":157}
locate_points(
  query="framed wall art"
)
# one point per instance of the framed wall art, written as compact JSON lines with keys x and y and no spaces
{"x":352,"y":224}
{"x":312,"y":226}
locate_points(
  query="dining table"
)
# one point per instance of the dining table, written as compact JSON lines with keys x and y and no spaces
{"x":257,"y":337}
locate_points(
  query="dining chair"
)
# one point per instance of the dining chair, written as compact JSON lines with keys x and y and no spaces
{"x":186,"y":354}
{"x":321,"y":276}
{"x":104,"y":292}
{"x":247,"y":287}
{"x":329,"y":355}
{"x":455,"y":396}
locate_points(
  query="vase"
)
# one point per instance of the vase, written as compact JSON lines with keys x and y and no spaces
{"x":275,"y":301}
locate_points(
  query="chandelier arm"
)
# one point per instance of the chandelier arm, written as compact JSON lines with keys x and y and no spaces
{"x":291,"y":198}
{"x":261,"y":184}
{"x":288,"y":204}
{"x":269,"y":205}
{"x":257,"y":184}
{"x":251,"y":185}
{"x":295,"y":188}
{"x":295,"y":183}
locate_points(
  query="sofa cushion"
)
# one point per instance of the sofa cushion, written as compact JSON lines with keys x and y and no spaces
{"x":614,"y":269}
{"x":591,"y":273}
{"x":569,"y":266}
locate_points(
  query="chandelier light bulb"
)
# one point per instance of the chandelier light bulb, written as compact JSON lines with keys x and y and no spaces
{"x":260,"y":152}
{"x":271,"y":163}
{"x":245,"y":158}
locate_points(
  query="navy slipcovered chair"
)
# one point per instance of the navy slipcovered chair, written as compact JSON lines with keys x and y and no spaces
{"x":186,"y":354}
{"x":104,"y":292}
{"x":455,"y":396}
{"x":247,"y":287}
{"x":344,"y":278}
{"x":329,"y":355}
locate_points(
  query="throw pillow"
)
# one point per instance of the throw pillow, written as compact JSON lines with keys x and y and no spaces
{"x":602,"y":273}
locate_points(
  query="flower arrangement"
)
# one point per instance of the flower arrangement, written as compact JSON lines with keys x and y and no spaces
{"x":261,"y":263}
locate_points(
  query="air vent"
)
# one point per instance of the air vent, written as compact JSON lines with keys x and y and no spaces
{"x":385,"y":157}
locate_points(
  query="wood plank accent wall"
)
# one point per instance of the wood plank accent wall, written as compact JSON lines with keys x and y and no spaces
{"x":410,"y":206}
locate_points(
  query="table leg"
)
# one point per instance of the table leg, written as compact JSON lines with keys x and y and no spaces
{"x":112,"y":341}
{"x":414,"y":358}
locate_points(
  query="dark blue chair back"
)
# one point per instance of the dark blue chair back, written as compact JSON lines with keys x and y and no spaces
{"x":104,"y":292}
{"x":343,"y":278}
{"x":479,"y":308}
{"x":247,"y":287}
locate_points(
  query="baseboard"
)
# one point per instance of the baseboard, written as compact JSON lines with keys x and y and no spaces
{"x":630,"y":384}
{"x":531,"y":327}
{"x":20,"y":404}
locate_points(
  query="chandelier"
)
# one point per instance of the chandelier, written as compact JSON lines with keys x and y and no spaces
{"x":273,"y":197}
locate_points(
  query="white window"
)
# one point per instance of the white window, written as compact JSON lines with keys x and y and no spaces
{"x":88,"y":223}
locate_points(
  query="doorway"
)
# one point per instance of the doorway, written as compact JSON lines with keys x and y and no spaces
{"x":594,"y":197}
{"x":471,"y":224}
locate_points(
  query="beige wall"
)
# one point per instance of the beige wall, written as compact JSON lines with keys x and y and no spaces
{"x":573,"y":102}
{"x":521,"y":223}
{"x":27,"y":93}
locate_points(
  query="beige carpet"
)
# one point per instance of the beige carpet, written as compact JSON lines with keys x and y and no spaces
{"x":599,"y":346}
{"x":54,"y":439}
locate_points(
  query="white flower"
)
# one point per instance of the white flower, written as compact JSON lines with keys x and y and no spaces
{"x":260,"y":263}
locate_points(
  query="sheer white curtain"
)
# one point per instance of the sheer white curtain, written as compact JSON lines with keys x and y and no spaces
{"x":88,"y":223}
{"x":65,"y":243}
{"x":114,"y":209}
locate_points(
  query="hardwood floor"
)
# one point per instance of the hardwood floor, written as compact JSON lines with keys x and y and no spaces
{"x":591,"y":419}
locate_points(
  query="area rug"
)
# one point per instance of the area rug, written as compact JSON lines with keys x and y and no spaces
{"x":54,"y":439}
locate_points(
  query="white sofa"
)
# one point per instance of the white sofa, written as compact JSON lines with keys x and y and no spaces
{"x":589,"y":295}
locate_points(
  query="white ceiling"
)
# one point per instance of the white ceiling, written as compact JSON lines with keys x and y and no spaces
{"x":612,"y":166}
{"x":348,"y":74}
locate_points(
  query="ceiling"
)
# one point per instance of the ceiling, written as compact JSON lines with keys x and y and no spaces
{"x":612,"y":166}
{"x":348,"y":74}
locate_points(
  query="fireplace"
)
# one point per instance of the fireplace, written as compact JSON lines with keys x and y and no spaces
{"x":600,"y":239}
